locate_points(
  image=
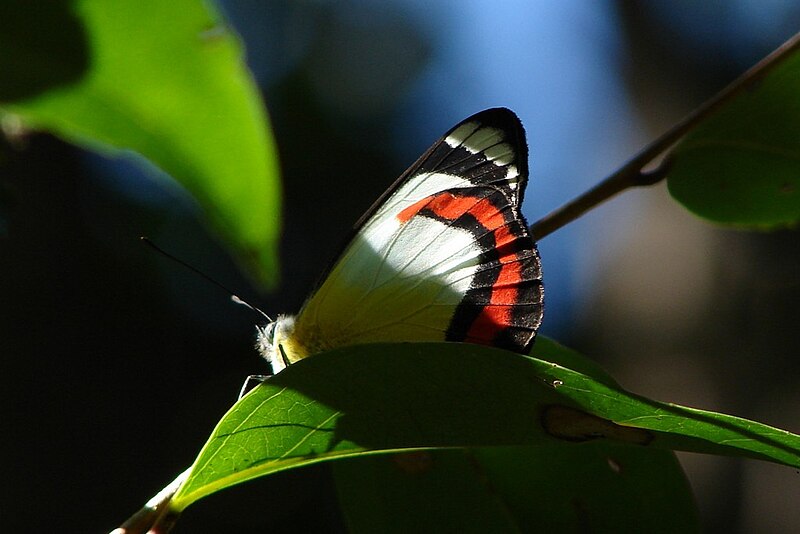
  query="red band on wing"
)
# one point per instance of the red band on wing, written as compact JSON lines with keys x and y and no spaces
{"x":497,"y":314}
{"x":444,"y":205}
{"x":405,"y":215}
{"x":451,"y":207}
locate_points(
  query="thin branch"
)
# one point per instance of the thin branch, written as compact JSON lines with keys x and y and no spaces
{"x":155,"y":517}
{"x":631,"y":174}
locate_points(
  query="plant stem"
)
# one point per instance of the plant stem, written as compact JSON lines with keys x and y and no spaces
{"x":631,"y":174}
{"x":155,"y":517}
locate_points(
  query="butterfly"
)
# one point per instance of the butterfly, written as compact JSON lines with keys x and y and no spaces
{"x":443,"y":255}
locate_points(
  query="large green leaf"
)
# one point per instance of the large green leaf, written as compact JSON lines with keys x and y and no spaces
{"x":741,"y":166}
{"x":166,"y":79}
{"x":596,"y":486}
{"x":423,"y":491}
{"x":389,"y":397}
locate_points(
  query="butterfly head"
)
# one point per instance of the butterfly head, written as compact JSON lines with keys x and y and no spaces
{"x":273,"y":341}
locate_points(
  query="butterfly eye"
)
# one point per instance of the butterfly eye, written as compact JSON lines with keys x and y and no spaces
{"x":269,"y":333}
{"x":265,"y":339}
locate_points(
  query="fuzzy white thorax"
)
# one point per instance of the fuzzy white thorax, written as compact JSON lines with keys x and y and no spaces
{"x":271,"y":341}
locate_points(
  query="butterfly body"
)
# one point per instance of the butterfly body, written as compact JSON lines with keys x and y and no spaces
{"x":443,"y":255}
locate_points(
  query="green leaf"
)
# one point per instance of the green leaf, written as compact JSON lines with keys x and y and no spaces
{"x":672,"y":426}
{"x":166,"y":79}
{"x":424,"y":491}
{"x":595,"y":486}
{"x":741,"y":166}
{"x":389,"y":397}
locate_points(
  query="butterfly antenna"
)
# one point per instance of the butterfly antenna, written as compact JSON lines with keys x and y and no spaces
{"x":197,"y":271}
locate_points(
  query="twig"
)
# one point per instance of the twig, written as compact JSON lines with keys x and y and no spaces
{"x":155,"y":517}
{"x":631,"y":174}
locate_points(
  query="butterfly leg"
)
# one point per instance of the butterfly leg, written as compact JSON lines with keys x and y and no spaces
{"x":284,"y":357}
{"x":250,"y":382}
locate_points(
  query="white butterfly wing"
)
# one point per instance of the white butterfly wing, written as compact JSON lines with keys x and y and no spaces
{"x":443,"y":255}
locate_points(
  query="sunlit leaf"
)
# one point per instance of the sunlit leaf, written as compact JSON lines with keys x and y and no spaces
{"x":388,"y":397}
{"x":166,"y":79}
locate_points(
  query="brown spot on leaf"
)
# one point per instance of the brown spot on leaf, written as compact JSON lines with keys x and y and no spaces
{"x":414,"y":462}
{"x":614,"y":465}
{"x":570,"y":424}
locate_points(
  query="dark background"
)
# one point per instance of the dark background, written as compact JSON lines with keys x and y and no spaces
{"x":116,"y":363}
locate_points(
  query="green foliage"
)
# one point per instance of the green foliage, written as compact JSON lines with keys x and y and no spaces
{"x":742,"y":165}
{"x":389,"y":397}
{"x":516,"y":442}
{"x":545,"y":488}
{"x":166,"y":79}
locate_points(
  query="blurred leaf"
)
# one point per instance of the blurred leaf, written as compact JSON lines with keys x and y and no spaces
{"x":166,"y":79}
{"x":741,"y":166}
{"x":387,"y":397}
{"x":596,"y":486}
{"x":41,"y":48}
{"x":446,"y":492}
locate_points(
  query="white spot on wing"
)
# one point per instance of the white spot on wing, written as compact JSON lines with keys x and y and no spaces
{"x":487,"y":140}
{"x":461,"y":134}
{"x":501,"y":154}
{"x":483,"y":139}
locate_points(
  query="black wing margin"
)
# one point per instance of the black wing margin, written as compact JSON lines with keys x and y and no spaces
{"x":487,"y":148}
